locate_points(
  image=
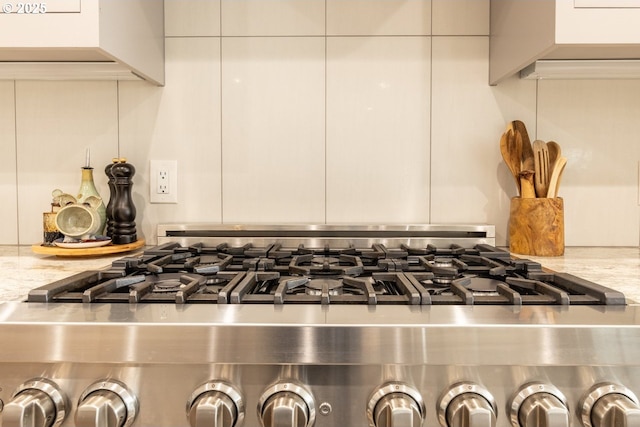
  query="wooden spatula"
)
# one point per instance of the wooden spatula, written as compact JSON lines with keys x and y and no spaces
{"x":541,"y":168}
{"x":554,"y":153}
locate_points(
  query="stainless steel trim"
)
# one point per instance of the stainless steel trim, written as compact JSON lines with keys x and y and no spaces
{"x":331,"y":349}
{"x":319,"y":235}
{"x":121,"y":333}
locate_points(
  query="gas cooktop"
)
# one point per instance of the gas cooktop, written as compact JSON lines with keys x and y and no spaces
{"x":320,"y":326}
{"x":327,"y":265}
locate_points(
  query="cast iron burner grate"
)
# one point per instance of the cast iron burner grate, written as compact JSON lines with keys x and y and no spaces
{"x":374,"y":275}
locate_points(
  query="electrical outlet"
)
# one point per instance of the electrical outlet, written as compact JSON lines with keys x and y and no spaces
{"x":163,"y":182}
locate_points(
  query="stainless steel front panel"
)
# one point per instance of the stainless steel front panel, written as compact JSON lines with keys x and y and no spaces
{"x":334,"y":235}
{"x":341,"y":354}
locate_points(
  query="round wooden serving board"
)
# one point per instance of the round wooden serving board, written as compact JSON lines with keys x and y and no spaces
{"x":101,"y":250}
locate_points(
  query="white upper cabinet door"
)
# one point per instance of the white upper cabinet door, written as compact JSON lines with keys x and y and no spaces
{"x":607,"y":3}
{"x":524,"y":31}
{"x":82,"y":40}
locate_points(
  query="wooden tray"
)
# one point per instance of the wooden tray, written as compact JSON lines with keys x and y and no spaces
{"x":101,"y":250}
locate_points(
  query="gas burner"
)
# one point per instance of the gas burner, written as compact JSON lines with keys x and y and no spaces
{"x":167,"y":285}
{"x":324,"y":260}
{"x":317,"y":286}
{"x":442,"y":262}
{"x":481,"y":285}
{"x":317,"y":265}
{"x":179,"y":286}
{"x":443,"y":281}
{"x":169,"y":282}
{"x":445,"y":269}
{"x":217,"y":281}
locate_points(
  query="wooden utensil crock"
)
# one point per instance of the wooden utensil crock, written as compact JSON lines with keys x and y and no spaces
{"x":536,"y":226}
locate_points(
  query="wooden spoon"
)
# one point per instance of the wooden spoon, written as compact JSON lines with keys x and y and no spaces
{"x":527,"y":150}
{"x":511,"y":156}
{"x":556,"y":175}
{"x":541,"y":167}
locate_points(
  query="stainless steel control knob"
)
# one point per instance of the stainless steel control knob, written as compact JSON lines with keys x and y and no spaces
{"x":36,"y":403}
{"x":286,"y":405}
{"x":396,"y":404}
{"x":106,"y":403}
{"x":467,"y":405}
{"x":610,"y":405}
{"x":215,"y":404}
{"x":539,"y":405}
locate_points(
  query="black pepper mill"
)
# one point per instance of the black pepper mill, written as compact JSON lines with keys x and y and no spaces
{"x":112,"y":198}
{"x":124,"y":212}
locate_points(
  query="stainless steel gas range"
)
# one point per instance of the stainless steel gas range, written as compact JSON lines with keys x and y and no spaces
{"x":321,"y":326}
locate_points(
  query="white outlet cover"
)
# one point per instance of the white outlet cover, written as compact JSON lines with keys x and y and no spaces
{"x":171,"y":167}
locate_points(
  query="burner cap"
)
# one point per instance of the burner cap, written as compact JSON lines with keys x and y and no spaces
{"x":168,"y":285}
{"x":315,"y":286}
{"x":481,"y":284}
{"x":171,"y":282}
{"x":322,"y":260}
{"x":442,"y":281}
{"x":442,"y":262}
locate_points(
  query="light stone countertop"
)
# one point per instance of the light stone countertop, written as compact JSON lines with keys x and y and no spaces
{"x":21,"y":270}
{"x":615,"y":267}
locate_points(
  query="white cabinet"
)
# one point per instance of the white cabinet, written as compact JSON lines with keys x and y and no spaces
{"x":94,"y":39}
{"x":523,"y":31}
{"x":607,"y":3}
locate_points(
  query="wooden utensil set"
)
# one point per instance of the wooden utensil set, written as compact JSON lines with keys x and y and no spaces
{"x":536,"y":167}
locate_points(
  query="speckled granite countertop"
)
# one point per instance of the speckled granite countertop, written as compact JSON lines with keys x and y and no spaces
{"x":617,"y":268}
{"x":22,"y":270}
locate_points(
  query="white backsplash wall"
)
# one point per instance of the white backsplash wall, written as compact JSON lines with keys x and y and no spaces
{"x":378,"y":104}
{"x":8,"y":183}
{"x":324,"y":111}
{"x":273,"y":129}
